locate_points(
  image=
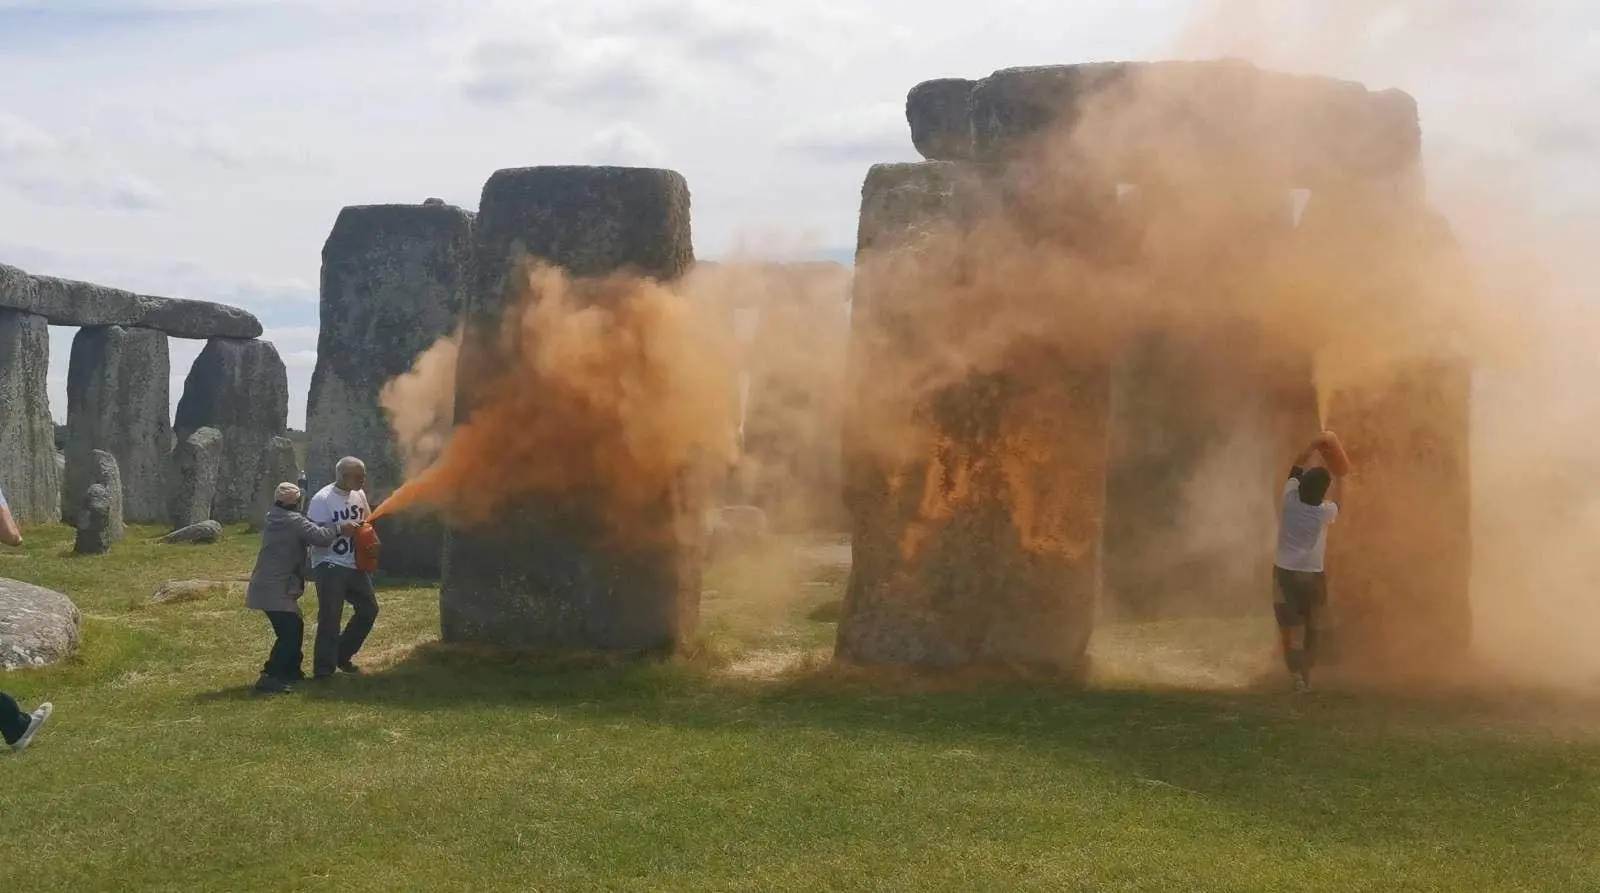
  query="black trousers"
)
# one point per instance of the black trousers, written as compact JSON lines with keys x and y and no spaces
{"x":13,"y":722}
{"x":336,"y":585}
{"x":284,"y":661}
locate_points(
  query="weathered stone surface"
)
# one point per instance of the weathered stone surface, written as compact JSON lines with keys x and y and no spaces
{"x":976,"y":506}
{"x":1143,"y":121}
{"x":548,"y":576}
{"x":38,"y":626}
{"x":192,"y":484}
{"x":196,"y":463}
{"x":279,"y":465}
{"x":202,"y":532}
{"x":241,"y":389}
{"x":394,"y":281}
{"x":175,"y":592}
{"x":28,"y":474}
{"x":790,"y":452}
{"x":100,"y":518}
{"x":940,"y":115}
{"x":66,"y":302}
{"x":117,"y":401}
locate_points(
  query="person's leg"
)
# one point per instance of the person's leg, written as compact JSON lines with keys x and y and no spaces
{"x":330,"y":583}
{"x":1289,"y":609}
{"x":13,"y":722}
{"x":284,"y":664}
{"x":364,"y":600}
{"x":1316,"y":586}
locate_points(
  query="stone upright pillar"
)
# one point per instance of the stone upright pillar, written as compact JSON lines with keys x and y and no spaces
{"x":394,"y":281}
{"x":117,"y":401}
{"x":28,"y":474}
{"x":240,"y":388}
{"x":976,"y":506}
{"x":549,"y":573}
{"x":1400,"y":555}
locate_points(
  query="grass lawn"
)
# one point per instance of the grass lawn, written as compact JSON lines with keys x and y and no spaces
{"x":749,"y":765}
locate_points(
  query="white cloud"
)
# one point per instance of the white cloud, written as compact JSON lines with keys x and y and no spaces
{"x":21,"y":138}
{"x":861,"y":136}
{"x":114,"y":192}
{"x":623,"y":144}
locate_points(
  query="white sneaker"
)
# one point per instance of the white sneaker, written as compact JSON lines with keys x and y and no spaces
{"x":1301,"y":686}
{"x":40,"y":714}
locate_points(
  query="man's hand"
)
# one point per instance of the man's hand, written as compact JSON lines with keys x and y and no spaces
{"x":349,"y":527}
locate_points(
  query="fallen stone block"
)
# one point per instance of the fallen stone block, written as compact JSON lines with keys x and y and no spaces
{"x":38,"y":626}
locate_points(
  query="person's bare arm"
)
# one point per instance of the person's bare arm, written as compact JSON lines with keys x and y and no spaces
{"x":10,"y":534}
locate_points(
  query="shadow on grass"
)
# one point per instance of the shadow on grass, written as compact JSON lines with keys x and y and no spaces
{"x":1338,"y":760}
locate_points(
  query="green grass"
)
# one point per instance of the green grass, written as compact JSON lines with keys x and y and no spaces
{"x":749,"y":765}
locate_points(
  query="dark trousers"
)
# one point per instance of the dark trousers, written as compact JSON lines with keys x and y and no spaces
{"x":13,"y":722}
{"x":287,"y":654}
{"x":335,"y":586}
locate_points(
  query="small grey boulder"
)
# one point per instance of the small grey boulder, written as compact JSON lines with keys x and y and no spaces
{"x":204,"y":532}
{"x":38,"y":626}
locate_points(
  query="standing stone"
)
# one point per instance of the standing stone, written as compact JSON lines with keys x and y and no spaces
{"x":550,"y":575}
{"x":28,"y":473}
{"x":279,"y":465}
{"x":241,"y":389}
{"x":1142,"y":121}
{"x":100,"y":518}
{"x":394,"y":281}
{"x":1401,"y":558}
{"x":196,"y":464}
{"x":117,"y":401}
{"x":977,"y":507}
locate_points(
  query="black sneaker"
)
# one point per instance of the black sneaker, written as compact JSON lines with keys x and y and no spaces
{"x":351,"y":668}
{"x":268,"y":685}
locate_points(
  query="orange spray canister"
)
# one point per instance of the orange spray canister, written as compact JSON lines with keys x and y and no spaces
{"x":1333,"y":451}
{"x":367,"y":546}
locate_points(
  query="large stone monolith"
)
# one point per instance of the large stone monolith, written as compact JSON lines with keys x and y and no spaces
{"x":241,"y":389}
{"x":99,"y":518}
{"x":28,"y":474}
{"x":394,"y":281}
{"x":1143,"y":121}
{"x":192,"y":482}
{"x":279,"y":465}
{"x":976,"y":504}
{"x":549,"y":573}
{"x":117,"y":401}
{"x":1400,"y":558}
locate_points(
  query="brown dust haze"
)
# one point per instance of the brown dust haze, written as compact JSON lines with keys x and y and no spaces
{"x":629,"y":381}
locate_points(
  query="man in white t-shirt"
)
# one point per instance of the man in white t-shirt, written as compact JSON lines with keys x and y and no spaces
{"x":337,"y":578}
{"x":1299,"y":583}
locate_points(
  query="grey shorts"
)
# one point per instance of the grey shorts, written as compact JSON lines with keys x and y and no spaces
{"x":1299,"y":596}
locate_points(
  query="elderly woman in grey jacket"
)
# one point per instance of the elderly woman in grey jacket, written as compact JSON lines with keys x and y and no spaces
{"x":279,"y":579}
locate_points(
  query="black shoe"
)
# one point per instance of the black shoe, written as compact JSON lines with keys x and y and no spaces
{"x":268,"y":685}
{"x":351,"y":668}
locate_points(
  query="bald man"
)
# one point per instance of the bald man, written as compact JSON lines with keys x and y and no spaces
{"x":333,"y":568}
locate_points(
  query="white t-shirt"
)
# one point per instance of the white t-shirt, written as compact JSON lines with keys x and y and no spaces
{"x":1303,"y":533}
{"x":332,"y":505}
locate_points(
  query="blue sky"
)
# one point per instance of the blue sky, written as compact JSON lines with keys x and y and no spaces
{"x":202,"y":148}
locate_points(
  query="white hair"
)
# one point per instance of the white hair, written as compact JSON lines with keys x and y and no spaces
{"x":348,"y":463}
